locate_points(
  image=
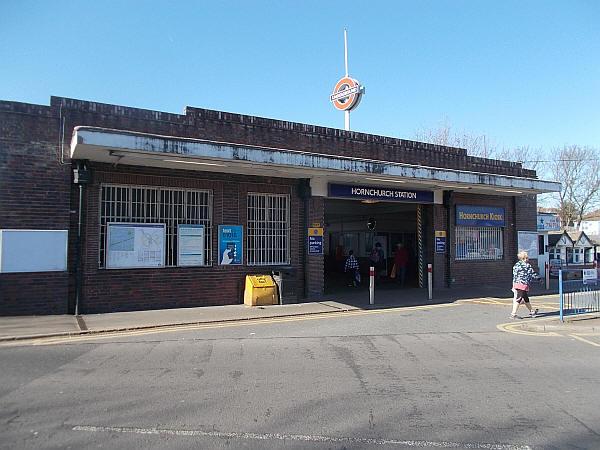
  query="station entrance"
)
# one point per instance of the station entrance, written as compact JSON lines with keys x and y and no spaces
{"x":357,"y":226}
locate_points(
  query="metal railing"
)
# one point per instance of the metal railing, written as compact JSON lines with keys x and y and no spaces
{"x":576,"y":295}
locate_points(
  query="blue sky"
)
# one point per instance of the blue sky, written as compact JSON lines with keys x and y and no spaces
{"x":520,"y":72}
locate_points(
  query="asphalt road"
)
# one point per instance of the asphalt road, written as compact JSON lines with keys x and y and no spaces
{"x":440,"y":376}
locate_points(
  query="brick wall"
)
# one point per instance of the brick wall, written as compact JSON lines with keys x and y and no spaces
{"x":36,"y":192}
{"x":489,"y":272}
{"x":316,"y":263}
{"x":35,"y":189}
{"x":520,"y":215}
{"x":251,"y":130}
{"x":175,"y":287}
{"x":440,"y":260}
{"x":33,"y":293}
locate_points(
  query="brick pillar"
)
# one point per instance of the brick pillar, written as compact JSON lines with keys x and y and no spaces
{"x":439,"y":259}
{"x":316,"y":263}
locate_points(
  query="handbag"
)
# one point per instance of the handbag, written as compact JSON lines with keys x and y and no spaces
{"x":393,"y":274}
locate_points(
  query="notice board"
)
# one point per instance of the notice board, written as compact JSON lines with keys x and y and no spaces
{"x":135,"y":245}
{"x":190,"y":245}
{"x":528,"y":241}
{"x":33,"y":250}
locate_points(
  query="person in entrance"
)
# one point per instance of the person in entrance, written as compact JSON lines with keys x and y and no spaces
{"x":377,"y":259}
{"x":352,"y":270}
{"x":400,"y":261}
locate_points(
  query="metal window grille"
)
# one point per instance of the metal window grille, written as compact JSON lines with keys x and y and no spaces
{"x":143,"y":204}
{"x":268,"y":229}
{"x":478,"y":243}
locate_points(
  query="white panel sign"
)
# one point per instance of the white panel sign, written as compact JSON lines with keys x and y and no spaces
{"x":590,"y":276}
{"x":33,"y":250}
{"x":130,"y":245}
{"x":190,"y":245}
{"x":548,"y":222}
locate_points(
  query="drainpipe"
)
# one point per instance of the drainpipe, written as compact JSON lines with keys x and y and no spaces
{"x":448,"y":205}
{"x":81,"y":176}
{"x":304,"y":193}
{"x":78,"y":264}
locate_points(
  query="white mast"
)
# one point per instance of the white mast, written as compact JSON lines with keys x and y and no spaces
{"x":348,"y":91}
{"x":347,"y":112}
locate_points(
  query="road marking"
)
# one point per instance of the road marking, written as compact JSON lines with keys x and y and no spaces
{"x":514,"y":327}
{"x":584,"y":340}
{"x":299,"y":437}
{"x":508,"y":302}
{"x":215,"y":325}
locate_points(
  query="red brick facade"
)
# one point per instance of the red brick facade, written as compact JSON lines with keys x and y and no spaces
{"x":36,"y":192}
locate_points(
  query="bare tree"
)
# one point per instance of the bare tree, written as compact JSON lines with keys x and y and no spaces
{"x":443,"y":134}
{"x":578,"y":170}
{"x":480,"y":145}
{"x":529,"y":157}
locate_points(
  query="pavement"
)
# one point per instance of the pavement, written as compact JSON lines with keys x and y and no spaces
{"x":21,"y":328}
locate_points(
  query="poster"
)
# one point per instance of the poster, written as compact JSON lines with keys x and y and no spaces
{"x":135,"y":245}
{"x":440,"y":242}
{"x":315,"y":241}
{"x":230,"y":244}
{"x":190,"y":245}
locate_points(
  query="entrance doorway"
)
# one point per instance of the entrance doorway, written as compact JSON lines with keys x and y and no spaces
{"x":357,"y":225}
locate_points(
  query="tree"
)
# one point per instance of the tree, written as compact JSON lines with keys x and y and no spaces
{"x":480,"y":145}
{"x":530,"y":158}
{"x":578,"y":170}
{"x":443,"y":134}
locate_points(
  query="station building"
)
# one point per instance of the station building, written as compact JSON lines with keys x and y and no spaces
{"x":108,"y":208}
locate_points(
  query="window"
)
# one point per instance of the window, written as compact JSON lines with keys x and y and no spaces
{"x":589,"y":256}
{"x":143,"y":204}
{"x":577,"y":255}
{"x":478,"y":243}
{"x":554,"y":253}
{"x":268,"y":230}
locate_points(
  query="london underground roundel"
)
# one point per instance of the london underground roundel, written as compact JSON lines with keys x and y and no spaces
{"x":347,"y":94}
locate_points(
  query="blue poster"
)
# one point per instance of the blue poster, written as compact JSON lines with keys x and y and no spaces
{"x":315,"y":241}
{"x":230,"y":244}
{"x":440,"y":242}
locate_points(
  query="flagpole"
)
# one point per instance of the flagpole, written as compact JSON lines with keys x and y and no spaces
{"x":346,"y":49}
{"x":346,"y":113}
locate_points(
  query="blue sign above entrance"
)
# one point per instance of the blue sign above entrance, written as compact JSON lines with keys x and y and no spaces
{"x":479,"y":216}
{"x":379,"y":193}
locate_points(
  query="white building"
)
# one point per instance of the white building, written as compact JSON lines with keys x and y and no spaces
{"x":573,"y":248}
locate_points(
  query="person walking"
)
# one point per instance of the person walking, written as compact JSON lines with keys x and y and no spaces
{"x":400,"y":261}
{"x":351,"y":268}
{"x":523,"y":273}
{"x":378,"y":260}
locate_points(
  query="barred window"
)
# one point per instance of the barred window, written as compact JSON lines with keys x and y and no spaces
{"x":268,"y":230}
{"x":478,"y":243}
{"x":144,"y":204}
